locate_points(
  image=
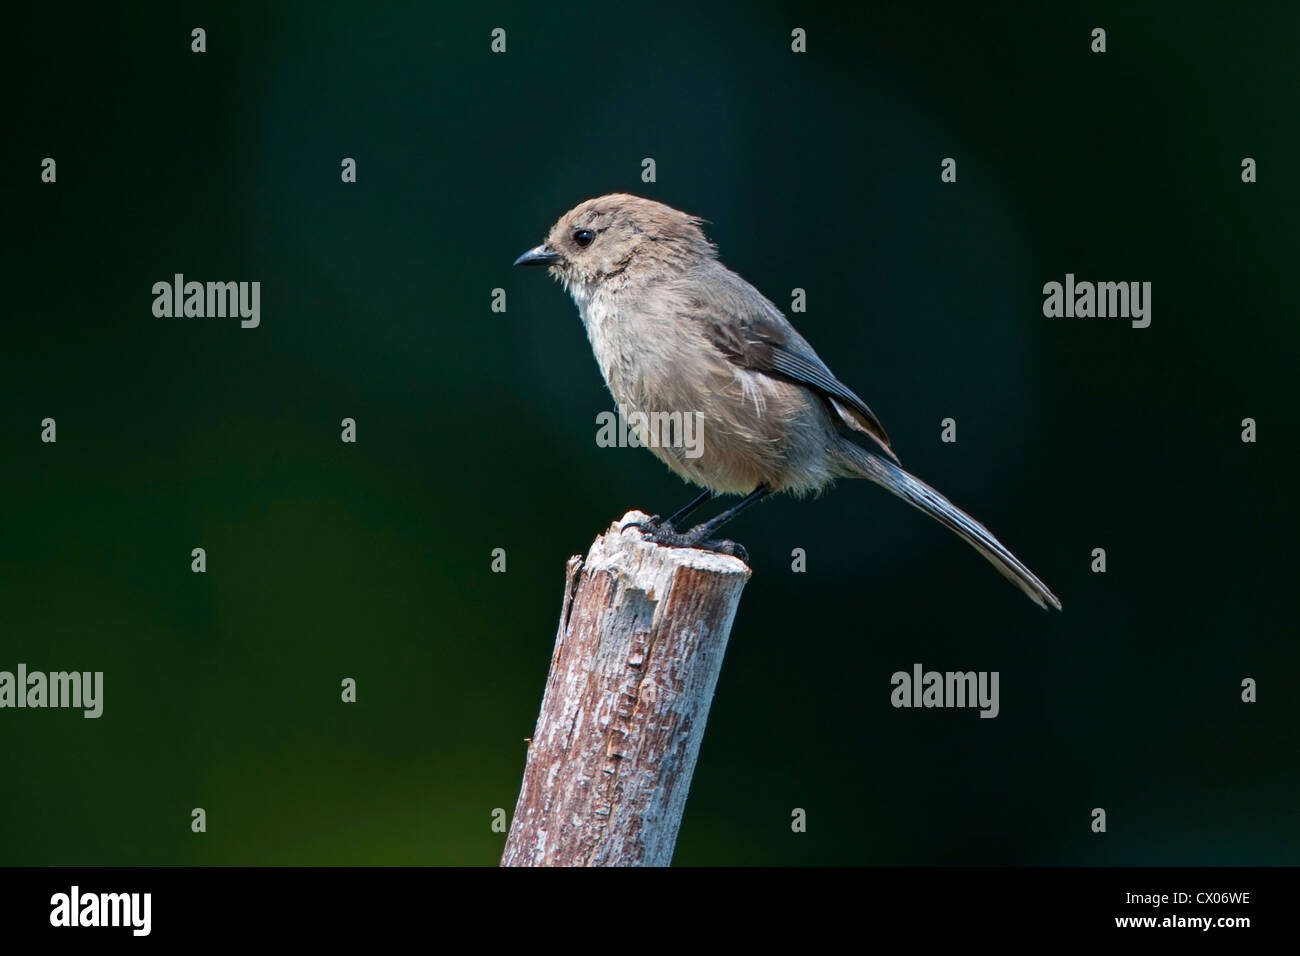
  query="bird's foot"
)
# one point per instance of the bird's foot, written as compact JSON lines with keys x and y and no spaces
{"x":662,"y":533}
{"x":725,"y":546}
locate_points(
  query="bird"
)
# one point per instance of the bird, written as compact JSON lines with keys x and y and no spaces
{"x":673,"y":330}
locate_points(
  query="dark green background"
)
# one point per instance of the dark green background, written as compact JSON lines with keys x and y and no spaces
{"x":476,"y":429}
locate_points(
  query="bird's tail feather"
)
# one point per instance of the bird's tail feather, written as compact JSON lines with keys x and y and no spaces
{"x":859,"y":461}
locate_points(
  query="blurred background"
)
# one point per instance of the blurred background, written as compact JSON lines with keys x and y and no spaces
{"x":476,"y":430}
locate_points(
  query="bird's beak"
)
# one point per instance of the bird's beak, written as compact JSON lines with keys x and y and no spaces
{"x":541,"y":256}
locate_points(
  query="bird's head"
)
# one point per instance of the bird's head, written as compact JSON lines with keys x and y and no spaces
{"x":619,"y":235}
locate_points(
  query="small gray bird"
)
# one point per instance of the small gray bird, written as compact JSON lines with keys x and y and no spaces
{"x":674,"y":330}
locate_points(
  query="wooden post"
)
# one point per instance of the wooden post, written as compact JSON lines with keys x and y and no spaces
{"x":637,"y":655}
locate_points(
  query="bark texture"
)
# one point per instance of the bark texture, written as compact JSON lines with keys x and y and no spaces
{"x":640,"y":643}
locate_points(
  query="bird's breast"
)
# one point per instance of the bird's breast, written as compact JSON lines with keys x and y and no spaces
{"x":628,"y":355}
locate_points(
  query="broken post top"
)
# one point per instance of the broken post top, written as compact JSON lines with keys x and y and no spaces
{"x":611,"y":549}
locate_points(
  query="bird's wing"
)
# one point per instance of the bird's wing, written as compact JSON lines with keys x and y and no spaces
{"x":762,"y":340}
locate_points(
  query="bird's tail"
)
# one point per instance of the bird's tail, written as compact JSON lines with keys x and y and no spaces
{"x":859,"y":461}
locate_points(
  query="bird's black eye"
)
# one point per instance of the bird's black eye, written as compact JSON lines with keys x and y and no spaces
{"x":583,"y":237}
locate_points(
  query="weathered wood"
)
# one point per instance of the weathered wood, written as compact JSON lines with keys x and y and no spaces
{"x":637,"y":655}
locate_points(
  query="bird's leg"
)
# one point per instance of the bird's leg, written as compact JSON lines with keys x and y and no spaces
{"x":703,"y":533}
{"x":701,"y":536}
{"x":656,"y":523}
{"x":687,"y":509}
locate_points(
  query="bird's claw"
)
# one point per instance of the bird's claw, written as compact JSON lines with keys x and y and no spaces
{"x":649,"y":526}
{"x":664,"y":534}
